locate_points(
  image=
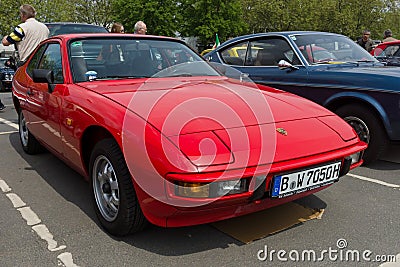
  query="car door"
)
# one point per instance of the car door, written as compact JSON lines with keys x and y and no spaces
{"x":44,"y":100}
{"x":258,"y":59}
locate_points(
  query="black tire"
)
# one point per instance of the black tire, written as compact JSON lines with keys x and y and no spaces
{"x":369,"y":128}
{"x":2,"y":87}
{"x":29,"y":143}
{"x":113,"y":194}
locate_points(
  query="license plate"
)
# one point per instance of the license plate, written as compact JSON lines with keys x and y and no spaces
{"x":288,"y":184}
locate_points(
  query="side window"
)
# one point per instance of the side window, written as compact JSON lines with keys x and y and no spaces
{"x":235,"y":55}
{"x":51,"y":60}
{"x":269,"y":51}
{"x":33,"y":64}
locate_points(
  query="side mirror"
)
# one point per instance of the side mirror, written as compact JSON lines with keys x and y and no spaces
{"x":283,"y":64}
{"x":43,"y":76}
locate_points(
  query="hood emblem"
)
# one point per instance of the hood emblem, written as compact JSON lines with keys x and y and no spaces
{"x":281,"y":131}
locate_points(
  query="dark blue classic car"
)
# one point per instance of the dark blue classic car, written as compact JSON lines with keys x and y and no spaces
{"x":57,"y":28}
{"x":328,"y":68}
{"x":6,"y":75}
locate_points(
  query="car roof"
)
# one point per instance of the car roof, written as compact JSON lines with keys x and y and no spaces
{"x":57,"y":28}
{"x":113,"y":35}
{"x":282,"y":33}
{"x":390,"y":43}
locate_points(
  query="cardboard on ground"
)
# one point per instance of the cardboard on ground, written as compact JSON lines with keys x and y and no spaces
{"x":261,"y":224}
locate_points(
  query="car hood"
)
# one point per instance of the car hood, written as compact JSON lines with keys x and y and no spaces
{"x":202,"y":101}
{"x":242,"y":124}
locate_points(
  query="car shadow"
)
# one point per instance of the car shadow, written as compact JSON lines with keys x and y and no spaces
{"x":383,"y":165}
{"x":390,"y":160}
{"x":164,"y":241}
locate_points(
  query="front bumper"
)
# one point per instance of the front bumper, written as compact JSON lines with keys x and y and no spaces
{"x":178,"y":211}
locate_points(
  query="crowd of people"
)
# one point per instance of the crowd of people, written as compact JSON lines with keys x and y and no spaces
{"x":27,"y":35}
{"x":368,"y":44}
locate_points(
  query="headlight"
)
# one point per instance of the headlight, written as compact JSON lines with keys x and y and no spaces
{"x":203,"y":149}
{"x":211,"y":190}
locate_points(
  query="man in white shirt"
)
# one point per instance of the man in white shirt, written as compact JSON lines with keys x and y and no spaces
{"x":27,"y":35}
{"x":140,"y":28}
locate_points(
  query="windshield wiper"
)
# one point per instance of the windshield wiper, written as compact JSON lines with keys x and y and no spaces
{"x":116,"y":77}
{"x":181,"y":75}
{"x":164,"y":75}
{"x":365,"y":61}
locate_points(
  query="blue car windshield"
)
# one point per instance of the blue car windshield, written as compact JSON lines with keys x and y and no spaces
{"x":329,"y":48}
{"x":129,"y":57}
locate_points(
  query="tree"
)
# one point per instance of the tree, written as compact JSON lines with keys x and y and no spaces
{"x":205,"y":18}
{"x":228,"y":18}
{"x":162,"y":17}
{"x":9,"y":9}
{"x":348,"y":17}
{"x":92,"y":11}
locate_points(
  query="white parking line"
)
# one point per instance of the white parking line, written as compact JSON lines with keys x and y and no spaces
{"x":45,"y":234}
{"x":29,"y":216}
{"x":397,"y":260}
{"x":9,"y":123}
{"x":374,"y":181}
{"x":9,"y":132}
{"x":392,"y":264}
{"x":66,"y":259}
{"x":16,"y":200}
{"x":32,"y":219}
{"x":4,"y":187}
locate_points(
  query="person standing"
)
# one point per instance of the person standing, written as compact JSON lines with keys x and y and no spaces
{"x":112,"y":52}
{"x":140,"y":27}
{"x":117,"y":28}
{"x":365,"y":41}
{"x":27,"y":35}
{"x":388,"y":37}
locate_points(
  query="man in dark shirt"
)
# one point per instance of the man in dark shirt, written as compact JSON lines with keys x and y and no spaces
{"x":365,"y":41}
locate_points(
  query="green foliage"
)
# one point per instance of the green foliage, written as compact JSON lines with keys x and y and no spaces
{"x":9,"y":17}
{"x":161,"y":16}
{"x":348,"y":17}
{"x":94,"y":12}
{"x":205,"y":18}
{"x":228,"y":18}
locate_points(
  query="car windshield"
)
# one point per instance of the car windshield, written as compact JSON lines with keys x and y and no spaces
{"x":327,"y":48}
{"x":391,"y":51}
{"x":122,"y":57}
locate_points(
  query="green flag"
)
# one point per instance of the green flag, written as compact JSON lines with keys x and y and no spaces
{"x":216,"y":41}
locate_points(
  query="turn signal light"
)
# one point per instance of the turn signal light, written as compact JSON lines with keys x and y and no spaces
{"x":211,"y":190}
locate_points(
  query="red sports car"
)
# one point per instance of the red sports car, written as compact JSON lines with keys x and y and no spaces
{"x":164,"y":138}
{"x":388,"y":52}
